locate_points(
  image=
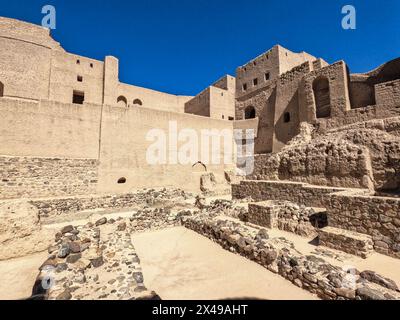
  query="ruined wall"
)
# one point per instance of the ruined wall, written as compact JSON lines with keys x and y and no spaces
{"x":263,"y":101}
{"x":286,"y":117}
{"x":27,"y":177}
{"x":378,"y":217}
{"x":388,"y":93}
{"x":354,"y":210}
{"x":336,"y":74}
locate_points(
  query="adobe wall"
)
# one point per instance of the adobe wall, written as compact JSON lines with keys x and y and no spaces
{"x":287,"y":105}
{"x":24,"y":69}
{"x":124,"y":145}
{"x":152,"y":99}
{"x":27,"y":177}
{"x":338,"y":89}
{"x":49,"y":129}
{"x":256,"y":68}
{"x":263,"y":101}
{"x":222,"y":104}
{"x":200,"y":104}
{"x":65,"y":69}
{"x":388,"y":93}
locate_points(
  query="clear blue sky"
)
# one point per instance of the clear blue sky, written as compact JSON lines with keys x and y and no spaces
{"x":182,"y":46}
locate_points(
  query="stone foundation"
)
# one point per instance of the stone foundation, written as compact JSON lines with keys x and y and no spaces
{"x":308,"y":272}
{"x":347,"y":241}
{"x":28,"y":177}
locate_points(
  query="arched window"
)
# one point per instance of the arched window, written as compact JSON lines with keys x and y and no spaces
{"x":322,"y":97}
{"x":138,"y":102}
{"x":122,"y":102}
{"x":199,"y":167}
{"x":250,"y":113}
{"x":1,"y":89}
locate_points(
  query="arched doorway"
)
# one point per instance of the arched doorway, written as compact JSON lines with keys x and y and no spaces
{"x":250,"y":112}
{"x":322,"y":97}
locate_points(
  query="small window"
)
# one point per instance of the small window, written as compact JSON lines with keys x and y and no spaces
{"x":231,"y":118}
{"x":255,"y":63}
{"x":78,"y":61}
{"x":79,"y":78}
{"x":1,"y":89}
{"x":91,"y":65}
{"x":121,"y":180}
{"x":244,"y":87}
{"x":255,"y":82}
{"x":267,"y":76}
{"x":138,"y":102}
{"x":78,"y":97}
{"x":286,"y":117}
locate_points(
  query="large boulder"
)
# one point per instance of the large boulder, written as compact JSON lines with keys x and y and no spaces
{"x":20,"y":230}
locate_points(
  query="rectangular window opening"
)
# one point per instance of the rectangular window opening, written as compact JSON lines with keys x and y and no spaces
{"x":78,"y":97}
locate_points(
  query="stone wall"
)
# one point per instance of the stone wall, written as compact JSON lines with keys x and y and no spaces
{"x":388,"y":93}
{"x":41,"y":177}
{"x":352,"y":209}
{"x":378,"y":217}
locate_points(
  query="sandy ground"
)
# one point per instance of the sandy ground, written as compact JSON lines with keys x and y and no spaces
{"x":17,"y":276}
{"x":180,"y":264}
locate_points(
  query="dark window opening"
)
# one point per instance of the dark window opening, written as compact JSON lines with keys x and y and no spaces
{"x":122,"y":102}
{"x":78,"y":97}
{"x":78,"y":61}
{"x":244,"y":86}
{"x":138,"y":102}
{"x":79,"y":78}
{"x":250,"y":113}
{"x":1,"y":89}
{"x":91,"y":65}
{"x":121,"y":180}
{"x":286,"y":117}
{"x":223,"y":117}
{"x":267,"y":76}
{"x":231,"y":118}
{"x":255,"y":81}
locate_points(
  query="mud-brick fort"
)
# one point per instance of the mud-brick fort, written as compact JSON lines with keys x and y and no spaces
{"x":327,"y":144}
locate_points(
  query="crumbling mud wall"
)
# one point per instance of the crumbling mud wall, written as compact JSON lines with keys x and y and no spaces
{"x":352,"y":158}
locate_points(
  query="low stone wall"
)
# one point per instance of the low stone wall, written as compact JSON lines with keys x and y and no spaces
{"x":308,"y":272}
{"x":287,"y":216}
{"x":347,"y":241}
{"x":351,"y":209}
{"x":27,"y":177}
{"x":300,"y":193}
{"x":378,"y":217}
{"x":53,"y":207}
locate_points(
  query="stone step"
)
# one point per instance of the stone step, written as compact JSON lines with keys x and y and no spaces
{"x":355,"y":243}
